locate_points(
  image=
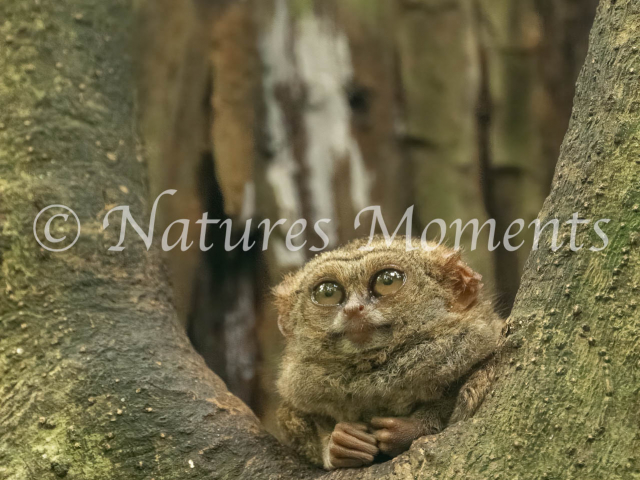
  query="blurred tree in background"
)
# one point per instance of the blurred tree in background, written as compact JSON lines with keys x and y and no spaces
{"x":302,"y":109}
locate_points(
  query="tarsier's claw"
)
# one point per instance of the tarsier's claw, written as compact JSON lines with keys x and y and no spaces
{"x":395,"y":434}
{"x":351,"y":446}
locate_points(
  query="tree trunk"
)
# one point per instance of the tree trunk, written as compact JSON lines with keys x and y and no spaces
{"x":99,"y":381}
{"x":97,"y":378}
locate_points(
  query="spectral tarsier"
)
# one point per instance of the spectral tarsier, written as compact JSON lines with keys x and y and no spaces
{"x":382,"y":347}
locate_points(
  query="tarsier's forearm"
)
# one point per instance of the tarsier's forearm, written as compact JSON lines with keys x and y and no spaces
{"x":396,"y":434}
{"x":473,"y":391}
{"x":301,"y":433}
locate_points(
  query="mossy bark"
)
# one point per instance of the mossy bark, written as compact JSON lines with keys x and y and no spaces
{"x":97,"y":378}
{"x":99,"y":381}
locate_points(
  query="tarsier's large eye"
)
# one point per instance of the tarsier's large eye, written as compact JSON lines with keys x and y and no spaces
{"x":328,"y":293}
{"x":387,"y":282}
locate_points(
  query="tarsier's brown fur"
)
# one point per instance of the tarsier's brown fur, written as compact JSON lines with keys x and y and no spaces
{"x":419,"y":359}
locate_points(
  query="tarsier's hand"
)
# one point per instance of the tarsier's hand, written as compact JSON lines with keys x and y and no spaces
{"x":350,"y":446}
{"x":395,"y":434}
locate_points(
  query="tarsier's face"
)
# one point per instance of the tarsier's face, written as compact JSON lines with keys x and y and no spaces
{"x":357,"y":308}
{"x":358,"y":300}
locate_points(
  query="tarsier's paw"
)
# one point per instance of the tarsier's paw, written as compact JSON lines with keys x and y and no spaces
{"x":395,"y":434}
{"x":350,"y":446}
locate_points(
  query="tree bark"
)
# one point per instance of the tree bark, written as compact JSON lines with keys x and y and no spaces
{"x":99,"y":381}
{"x":97,"y":378}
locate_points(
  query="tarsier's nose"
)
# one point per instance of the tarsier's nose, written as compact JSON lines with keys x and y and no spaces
{"x":357,"y":327}
{"x":354,"y":309}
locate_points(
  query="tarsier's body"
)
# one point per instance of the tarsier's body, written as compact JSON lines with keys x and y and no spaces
{"x":383,"y":347}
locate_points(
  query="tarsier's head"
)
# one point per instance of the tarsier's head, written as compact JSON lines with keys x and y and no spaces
{"x":351,"y":300}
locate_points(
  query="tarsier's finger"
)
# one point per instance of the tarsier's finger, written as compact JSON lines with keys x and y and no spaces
{"x":337,"y":451}
{"x":391,"y":449}
{"x":383,"y":422}
{"x":348,"y":441}
{"x":394,"y":442}
{"x":385,"y":447}
{"x":402,"y":435}
{"x":384,"y":436}
{"x":353,"y":426}
{"x":357,"y":433}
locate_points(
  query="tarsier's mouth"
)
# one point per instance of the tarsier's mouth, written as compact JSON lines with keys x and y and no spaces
{"x":360,"y":337}
{"x":360,"y":331}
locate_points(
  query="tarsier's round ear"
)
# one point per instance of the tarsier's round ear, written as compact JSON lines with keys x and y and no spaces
{"x":466,"y":283}
{"x":284,"y":294}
